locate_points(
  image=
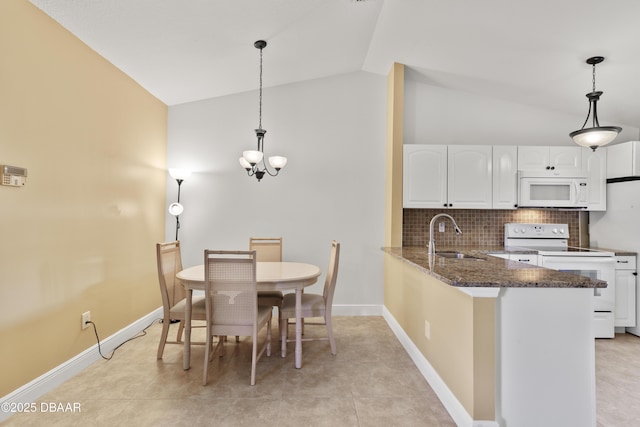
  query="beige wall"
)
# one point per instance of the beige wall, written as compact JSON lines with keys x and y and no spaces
{"x":393,"y":182}
{"x":79,"y":236}
{"x":461,"y":347}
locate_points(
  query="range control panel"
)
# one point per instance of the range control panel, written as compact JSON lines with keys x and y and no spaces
{"x":546,"y":231}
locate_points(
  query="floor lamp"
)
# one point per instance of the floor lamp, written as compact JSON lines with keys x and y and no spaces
{"x":176,"y":208}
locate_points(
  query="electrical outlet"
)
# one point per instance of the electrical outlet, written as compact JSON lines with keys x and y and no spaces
{"x":86,"y":317}
{"x":441,"y":227}
{"x":427,"y":330}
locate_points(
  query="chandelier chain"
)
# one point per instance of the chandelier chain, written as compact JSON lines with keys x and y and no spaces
{"x":260,"y":112}
{"x":593,"y":80}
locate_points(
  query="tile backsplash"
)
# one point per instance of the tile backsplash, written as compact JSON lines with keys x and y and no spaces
{"x":480,"y":227}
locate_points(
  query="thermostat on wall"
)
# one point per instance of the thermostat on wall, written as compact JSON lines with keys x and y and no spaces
{"x":13,"y":175}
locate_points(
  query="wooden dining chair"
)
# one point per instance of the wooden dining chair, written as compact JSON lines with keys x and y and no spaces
{"x":268,"y":249}
{"x":313,"y":305}
{"x":231,"y":301}
{"x":169,"y":262}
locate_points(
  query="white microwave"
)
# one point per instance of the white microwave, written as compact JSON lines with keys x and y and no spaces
{"x":536,"y":189}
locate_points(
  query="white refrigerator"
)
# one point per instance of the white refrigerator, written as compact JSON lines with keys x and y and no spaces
{"x":619,"y":227}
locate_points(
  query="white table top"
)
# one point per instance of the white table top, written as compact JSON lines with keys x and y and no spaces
{"x":269,"y":275}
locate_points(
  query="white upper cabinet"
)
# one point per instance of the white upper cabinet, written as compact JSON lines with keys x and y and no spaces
{"x":623,"y":160}
{"x":594,"y":166}
{"x":533,"y":158}
{"x":437,"y":176}
{"x":469,"y":177}
{"x":424,"y":176}
{"x":566,"y":159}
{"x":486,"y":177}
{"x":505,"y":177}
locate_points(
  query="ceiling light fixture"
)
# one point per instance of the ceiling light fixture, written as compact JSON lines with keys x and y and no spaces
{"x":251,"y":159}
{"x":596,"y":135}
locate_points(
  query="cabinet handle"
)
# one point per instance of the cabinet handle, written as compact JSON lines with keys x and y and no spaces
{"x":445,"y":205}
{"x":635,"y":273}
{"x":553,"y":167}
{"x":450,"y":205}
{"x":515,"y":206}
{"x":548,"y":167}
{"x":622,"y":262}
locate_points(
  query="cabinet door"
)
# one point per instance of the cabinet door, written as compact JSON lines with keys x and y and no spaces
{"x":566,"y":158}
{"x":469,"y":177}
{"x":625,"y":308}
{"x":505,"y":177}
{"x":531,"y":158}
{"x":424,"y":176}
{"x":594,"y":166}
{"x":623,"y":159}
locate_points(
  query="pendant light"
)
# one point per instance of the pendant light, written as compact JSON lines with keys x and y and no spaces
{"x":596,"y":135}
{"x":252,"y":160}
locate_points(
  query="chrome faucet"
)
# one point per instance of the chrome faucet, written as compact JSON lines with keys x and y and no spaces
{"x":432,"y":245}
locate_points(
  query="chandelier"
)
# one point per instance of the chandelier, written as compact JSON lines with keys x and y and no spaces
{"x":253,"y":160}
{"x":596,"y":135}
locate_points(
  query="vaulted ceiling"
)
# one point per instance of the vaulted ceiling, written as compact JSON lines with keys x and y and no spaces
{"x":528,"y":52}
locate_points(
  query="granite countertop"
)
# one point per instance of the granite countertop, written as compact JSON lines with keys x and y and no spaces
{"x":616,"y":252}
{"x":489,"y":271}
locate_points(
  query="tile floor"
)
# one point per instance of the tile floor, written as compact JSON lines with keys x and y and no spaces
{"x":618,"y":381}
{"x":370,"y":382}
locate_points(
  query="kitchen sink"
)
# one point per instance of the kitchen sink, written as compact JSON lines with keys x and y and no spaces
{"x":457,"y":255}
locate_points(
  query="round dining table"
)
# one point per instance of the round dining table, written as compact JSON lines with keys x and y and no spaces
{"x":270,"y":276}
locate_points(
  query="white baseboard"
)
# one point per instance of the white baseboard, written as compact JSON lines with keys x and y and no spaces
{"x":46,"y":382}
{"x":459,"y":414}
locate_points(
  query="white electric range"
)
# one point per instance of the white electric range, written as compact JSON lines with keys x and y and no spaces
{"x":554,"y":252}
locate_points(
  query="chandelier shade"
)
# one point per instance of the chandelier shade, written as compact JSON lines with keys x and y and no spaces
{"x":277,"y":162}
{"x":252,"y":157}
{"x":596,"y":135}
{"x":253,"y":160}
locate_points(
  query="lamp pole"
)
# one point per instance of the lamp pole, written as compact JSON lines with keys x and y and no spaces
{"x":179,"y":181}
{"x":176,"y":208}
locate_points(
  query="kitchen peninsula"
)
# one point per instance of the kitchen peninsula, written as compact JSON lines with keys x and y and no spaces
{"x":502,"y":343}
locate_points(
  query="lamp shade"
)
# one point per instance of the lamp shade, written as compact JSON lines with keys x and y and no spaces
{"x":181,"y":174}
{"x":596,"y":136}
{"x":176,"y":209}
{"x":245,"y":164}
{"x":277,"y":162}
{"x":252,"y":156}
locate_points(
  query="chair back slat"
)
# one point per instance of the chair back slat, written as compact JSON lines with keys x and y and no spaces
{"x":169,"y":262}
{"x":268,"y":249}
{"x":332,"y":275}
